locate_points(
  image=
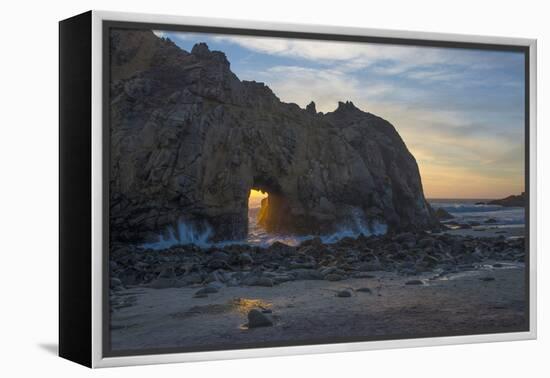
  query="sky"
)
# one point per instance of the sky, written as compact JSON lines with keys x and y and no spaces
{"x":459,"y":111}
{"x":255,"y":198}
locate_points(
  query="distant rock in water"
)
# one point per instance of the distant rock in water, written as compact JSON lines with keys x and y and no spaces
{"x":189,"y":140}
{"x":511,"y":201}
{"x":443,"y":214}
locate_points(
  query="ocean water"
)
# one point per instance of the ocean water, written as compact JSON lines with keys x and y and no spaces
{"x":257,"y":236}
{"x":464,"y":211}
{"x":470,"y":210}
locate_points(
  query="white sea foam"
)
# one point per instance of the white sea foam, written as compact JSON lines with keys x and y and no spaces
{"x":470,"y":211}
{"x":257,"y":236}
{"x":185,"y":234}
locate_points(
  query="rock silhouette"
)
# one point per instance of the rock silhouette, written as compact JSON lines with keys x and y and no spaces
{"x":189,"y":140}
{"x":519,"y":200}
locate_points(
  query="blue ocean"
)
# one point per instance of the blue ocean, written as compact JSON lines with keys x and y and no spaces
{"x":476,"y":211}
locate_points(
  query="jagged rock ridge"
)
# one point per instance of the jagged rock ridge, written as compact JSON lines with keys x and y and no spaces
{"x":189,"y":140}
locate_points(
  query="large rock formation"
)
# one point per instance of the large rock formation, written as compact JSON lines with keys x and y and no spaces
{"x":519,"y":200}
{"x":189,"y":140}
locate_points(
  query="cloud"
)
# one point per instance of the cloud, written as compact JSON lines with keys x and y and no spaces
{"x":459,"y":111}
{"x":324,"y":86}
{"x":458,"y":151}
{"x":355,"y":54}
{"x":352,"y":56}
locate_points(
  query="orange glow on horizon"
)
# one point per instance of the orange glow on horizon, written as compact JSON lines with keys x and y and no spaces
{"x":457,"y":182}
{"x":255,"y":198}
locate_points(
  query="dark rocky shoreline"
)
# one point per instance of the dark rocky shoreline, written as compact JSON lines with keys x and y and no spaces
{"x":407,"y":254}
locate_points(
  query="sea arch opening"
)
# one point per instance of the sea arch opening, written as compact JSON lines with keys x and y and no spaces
{"x":268,"y":211}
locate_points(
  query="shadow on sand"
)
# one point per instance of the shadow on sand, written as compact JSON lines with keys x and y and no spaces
{"x":51,"y":348}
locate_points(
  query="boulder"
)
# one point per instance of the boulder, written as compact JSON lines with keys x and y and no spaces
{"x":257,"y":318}
{"x":343,"y":294}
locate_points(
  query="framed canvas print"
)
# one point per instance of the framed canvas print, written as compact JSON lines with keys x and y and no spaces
{"x":233,"y":189}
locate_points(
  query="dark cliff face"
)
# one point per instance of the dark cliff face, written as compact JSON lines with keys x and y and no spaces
{"x":189,"y":140}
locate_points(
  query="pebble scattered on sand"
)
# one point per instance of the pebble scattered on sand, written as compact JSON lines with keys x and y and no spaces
{"x":364,"y":290}
{"x":343,"y":294}
{"x":215,"y":268}
{"x":486,"y":279}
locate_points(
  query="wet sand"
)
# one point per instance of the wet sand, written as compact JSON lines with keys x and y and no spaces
{"x":310,"y":311}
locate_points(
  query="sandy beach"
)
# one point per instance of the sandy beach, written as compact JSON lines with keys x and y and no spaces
{"x":466,"y":281}
{"x":478,"y":300}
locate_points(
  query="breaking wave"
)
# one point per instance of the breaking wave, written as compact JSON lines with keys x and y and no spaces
{"x":257,"y":236}
{"x":469,"y":211}
{"x":185,"y":234}
{"x":354,"y":228}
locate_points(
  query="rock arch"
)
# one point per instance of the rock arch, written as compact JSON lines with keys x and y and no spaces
{"x":189,"y":140}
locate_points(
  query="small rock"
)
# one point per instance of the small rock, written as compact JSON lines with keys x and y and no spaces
{"x":306,"y":274}
{"x":282,"y":278}
{"x":414,"y":282}
{"x":215,"y":285}
{"x":426,"y":243}
{"x":167,"y":273}
{"x":210,"y":289}
{"x":201,"y":293}
{"x":301,"y":265}
{"x":257,"y":318}
{"x":192,"y":278}
{"x":116,"y":283}
{"x":333,"y":277}
{"x":217,"y":264}
{"x":343,"y":294}
{"x":245,"y":258}
{"x":220,"y":255}
{"x":486,"y":279}
{"x":232,"y":282}
{"x":214,"y":276}
{"x":364,"y":290}
{"x":497,"y":265}
{"x":327,"y":270}
{"x":162,"y":283}
{"x":363,"y":275}
{"x":393,"y":247}
{"x":370,"y":266}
